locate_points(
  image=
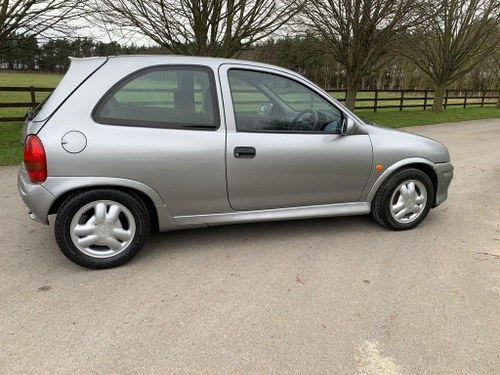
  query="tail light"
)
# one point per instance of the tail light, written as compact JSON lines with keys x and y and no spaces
{"x":35,"y":161}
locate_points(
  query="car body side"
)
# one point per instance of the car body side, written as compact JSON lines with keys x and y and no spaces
{"x":182,"y":174}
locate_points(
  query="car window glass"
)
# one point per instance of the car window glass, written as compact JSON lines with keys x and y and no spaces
{"x":169,"y":97}
{"x":270,"y":103}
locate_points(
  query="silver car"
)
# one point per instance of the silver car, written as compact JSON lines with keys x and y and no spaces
{"x":129,"y":145}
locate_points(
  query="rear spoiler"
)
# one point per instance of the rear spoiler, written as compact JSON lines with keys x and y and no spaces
{"x":79,"y":71}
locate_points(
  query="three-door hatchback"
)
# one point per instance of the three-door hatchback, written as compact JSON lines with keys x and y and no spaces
{"x":126,"y":145}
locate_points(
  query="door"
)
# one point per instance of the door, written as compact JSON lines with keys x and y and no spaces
{"x":285,"y":148}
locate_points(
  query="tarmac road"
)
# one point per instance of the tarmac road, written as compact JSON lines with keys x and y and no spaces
{"x":329,"y":296}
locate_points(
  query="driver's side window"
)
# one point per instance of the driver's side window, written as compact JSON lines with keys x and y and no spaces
{"x":266,"y":102}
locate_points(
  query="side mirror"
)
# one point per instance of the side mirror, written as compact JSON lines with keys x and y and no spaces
{"x":265,"y":109}
{"x":348,"y":126}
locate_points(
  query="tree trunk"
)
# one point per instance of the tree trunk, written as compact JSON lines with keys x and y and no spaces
{"x":439,"y":91}
{"x":498,"y":101}
{"x":350,"y":97}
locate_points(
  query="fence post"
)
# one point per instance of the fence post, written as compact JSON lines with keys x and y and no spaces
{"x":33,"y":98}
{"x":401,"y":100}
{"x":425,"y":100}
{"x":446,"y":99}
{"x":465,"y":99}
{"x":482,"y":98}
{"x":375,"y":104}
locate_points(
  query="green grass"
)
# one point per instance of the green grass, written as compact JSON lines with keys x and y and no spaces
{"x":416,"y":116}
{"x":19,"y":79}
{"x":11,"y":151}
{"x":10,"y":132}
{"x":29,"y":79}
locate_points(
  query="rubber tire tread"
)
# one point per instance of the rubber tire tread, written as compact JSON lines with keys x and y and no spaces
{"x":75,"y":202}
{"x":380,"y":204}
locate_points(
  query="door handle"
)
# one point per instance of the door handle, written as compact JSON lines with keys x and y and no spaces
{"x":244,"y":152}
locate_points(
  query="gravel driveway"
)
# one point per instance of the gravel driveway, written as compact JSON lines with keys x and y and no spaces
{"x":328,"y":296}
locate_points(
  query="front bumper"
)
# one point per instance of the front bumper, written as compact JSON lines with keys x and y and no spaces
{"x":444,"y":172}
{"x":35,"y":197}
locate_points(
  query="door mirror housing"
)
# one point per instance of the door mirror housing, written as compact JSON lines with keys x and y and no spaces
{"x":265,"y":109}
{"x":348,"y":126}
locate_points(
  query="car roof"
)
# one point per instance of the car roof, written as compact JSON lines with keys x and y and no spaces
{"x":213,"y":62}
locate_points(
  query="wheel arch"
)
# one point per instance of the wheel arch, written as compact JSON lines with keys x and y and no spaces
{"x":424,"y":165}
{"x":139,"y":194}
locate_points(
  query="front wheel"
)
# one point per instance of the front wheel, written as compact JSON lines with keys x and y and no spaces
{"x":101,"y":228}
{"x":404,"y":200}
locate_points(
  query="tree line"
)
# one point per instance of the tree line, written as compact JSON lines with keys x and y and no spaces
{"x":343,"y":43}
{"x":28,"y":54}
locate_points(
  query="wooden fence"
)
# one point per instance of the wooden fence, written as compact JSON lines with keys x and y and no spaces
{"x":26,"y":104}
{"x":367,"y":99}
{"x":399,"y":99}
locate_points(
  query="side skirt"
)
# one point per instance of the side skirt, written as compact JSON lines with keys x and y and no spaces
{"x":292,"y":213}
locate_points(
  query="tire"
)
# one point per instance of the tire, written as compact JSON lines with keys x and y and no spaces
{"x":102,"y":228}
{"x":404,"y":200}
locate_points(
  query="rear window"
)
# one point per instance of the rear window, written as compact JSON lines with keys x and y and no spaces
{"x":163,"y":97}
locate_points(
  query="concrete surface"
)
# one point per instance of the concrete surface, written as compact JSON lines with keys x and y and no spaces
{"x":330,"y":296}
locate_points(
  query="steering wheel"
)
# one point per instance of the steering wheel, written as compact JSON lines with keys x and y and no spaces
{"x":313,"y":117}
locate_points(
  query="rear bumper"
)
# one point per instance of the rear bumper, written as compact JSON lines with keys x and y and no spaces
{"x":444,"y":172}
{"x":35,"y":197}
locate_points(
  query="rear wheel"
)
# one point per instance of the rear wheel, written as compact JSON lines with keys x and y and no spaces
{"x":101,"y":228}
{"x":404,"y":200}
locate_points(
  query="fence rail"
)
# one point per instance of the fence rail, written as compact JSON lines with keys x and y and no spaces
{"x":462,"y":98}
{"x":379,"y":99}
{"x":26,"y":104}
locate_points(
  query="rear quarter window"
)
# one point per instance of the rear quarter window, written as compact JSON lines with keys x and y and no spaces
{"x":164,"y":97}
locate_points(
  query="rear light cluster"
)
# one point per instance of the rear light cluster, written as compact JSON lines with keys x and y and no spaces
{"x":35,"y":161}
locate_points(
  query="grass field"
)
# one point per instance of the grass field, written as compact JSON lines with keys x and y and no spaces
{"x":14,"y":79}
{"x":29,"y":79}
{"x":394,"y":118}
{"x":10,"y":132}
{"x":11,"y":152}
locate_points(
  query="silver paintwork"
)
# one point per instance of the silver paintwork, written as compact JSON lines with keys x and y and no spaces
{"x":36,"y":197}
{"x":408,"y":201}
{"x":348,"y":127}
{"x":80,"y":70}
{"x":297,"y":170}
{"x":193,"y":178}
{"x":74,"y":142}
{"x":443,"y":171}
{"x":102,"y":235}
{"x":327,"y":210}
{"x":59,"y":186}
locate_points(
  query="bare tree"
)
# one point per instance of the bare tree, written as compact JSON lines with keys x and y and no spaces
{"x":200,"y":27}
{"x":494,"y":65}
{"x":360,"y":34}
{"x":462,"y":34}
{"x":36,"y":17}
